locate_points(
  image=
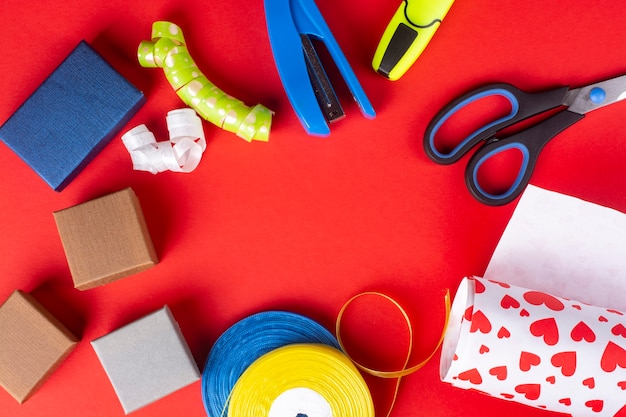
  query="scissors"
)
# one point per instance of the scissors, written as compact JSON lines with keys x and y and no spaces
{"x":528,"y":142}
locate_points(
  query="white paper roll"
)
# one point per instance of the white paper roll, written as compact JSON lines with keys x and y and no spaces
{"x":579,"y":245}
{"x":537,"y":349}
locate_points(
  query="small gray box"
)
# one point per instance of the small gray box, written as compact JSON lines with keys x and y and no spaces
{"x":146,"y":360}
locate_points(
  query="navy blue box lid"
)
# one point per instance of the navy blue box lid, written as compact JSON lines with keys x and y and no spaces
{"x":71,"y":116}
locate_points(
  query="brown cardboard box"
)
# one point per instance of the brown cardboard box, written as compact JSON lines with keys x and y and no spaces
{"x":105,"y":239}
{"x":33,"y":344}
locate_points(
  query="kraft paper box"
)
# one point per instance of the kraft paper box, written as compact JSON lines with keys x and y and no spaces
{"x":105,"y":239}
{"x":146,"y":360}
{"x":71,"y":116}
{"x":33,"y":344}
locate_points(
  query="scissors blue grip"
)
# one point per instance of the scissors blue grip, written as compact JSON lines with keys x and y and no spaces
{"x":477,"y":136}
{"x":528,"y":142}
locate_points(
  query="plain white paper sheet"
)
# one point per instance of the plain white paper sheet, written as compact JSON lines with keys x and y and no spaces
{"x":564,"y":246}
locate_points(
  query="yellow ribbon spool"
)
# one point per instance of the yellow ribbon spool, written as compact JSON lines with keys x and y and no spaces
{"x":310,"y":380}
{"x":315,"y":380}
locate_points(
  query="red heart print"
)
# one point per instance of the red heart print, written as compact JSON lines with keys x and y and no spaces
{"x":508,"y":396}
{"x":547,"y":329}
{"x":577,"y":307}
{"x":501,"y":284}
{"x":595,"y":405}
{"x":538,"y":298}
{"x":472,"y":375}
{"x":590,"y":383}
{"x":499,"y":372}
{"x":480,"y":322}
{"x":530,"y":391}
{"x":483,"y":349}
{"x":456,"y":357}
{"x":565,"y":401}
{"x":621,"y":412}
{"x":603,"y":319}
{"x":503,"y":333}
{"x":619,"y":330}
{"x":619,"y":313}
{"x":582,"y":332}
{"x":551,"y":379}
{"x":612,"y":357}
{"x":566,"y":361}
{"x":468,"y":313}
{"x":622,"y":385}
{"x":524,"y":313}
{"x":528,"y":360}
{"x":479,"y":287}
{"x":509,"y":302}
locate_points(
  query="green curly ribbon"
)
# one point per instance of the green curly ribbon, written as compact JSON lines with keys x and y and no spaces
{"x":167,"y":50}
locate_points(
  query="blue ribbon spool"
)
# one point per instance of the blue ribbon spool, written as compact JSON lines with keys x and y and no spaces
{"x":246,"y":341}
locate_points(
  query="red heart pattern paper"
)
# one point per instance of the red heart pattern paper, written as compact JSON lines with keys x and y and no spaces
{"x":530,"y":391}
{"x":538,"y":298}
{"x":509,"y":302}
{"x":527,"y":360}
{"x":480,"y":323}
{"x":546,"y":329}
{"x":590,"y":383}
{"x":613,"y":356}
{"x":472,"y":376}
{"x":503,"y":332}
{"x":582,"y":332}
{"x":499,"y":372}
{"x":566,"y":361}
{"x":619,"y":330}
{"x":537,"y":349}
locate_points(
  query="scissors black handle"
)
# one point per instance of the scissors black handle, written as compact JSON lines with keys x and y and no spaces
{"x":523,"y":106}
{"x":529,"y":142}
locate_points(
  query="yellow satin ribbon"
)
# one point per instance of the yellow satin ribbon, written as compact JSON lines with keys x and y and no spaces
{"x":406,"y":369}
{"x":330,"y":376}
{"x":314,"y":368}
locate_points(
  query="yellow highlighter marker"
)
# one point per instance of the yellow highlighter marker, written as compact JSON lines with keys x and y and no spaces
{"x":411,"y":28}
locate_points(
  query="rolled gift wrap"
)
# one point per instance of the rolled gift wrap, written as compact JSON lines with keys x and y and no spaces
{"x":536,"y":349}
{"x":182,"y":153}
{"x":167,"y":50}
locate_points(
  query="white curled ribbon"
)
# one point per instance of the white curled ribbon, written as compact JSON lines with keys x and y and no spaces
{"x":182,"y":153}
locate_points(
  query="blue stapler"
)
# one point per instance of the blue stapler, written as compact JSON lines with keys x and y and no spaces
{"x":292,"y":26}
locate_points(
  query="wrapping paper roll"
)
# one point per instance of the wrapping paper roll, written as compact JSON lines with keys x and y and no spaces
{"x":537,"y":349}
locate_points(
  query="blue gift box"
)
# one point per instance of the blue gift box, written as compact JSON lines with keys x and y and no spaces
{"x":71,"y":116}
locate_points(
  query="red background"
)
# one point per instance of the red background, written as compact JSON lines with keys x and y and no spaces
{"x":300,"y":223}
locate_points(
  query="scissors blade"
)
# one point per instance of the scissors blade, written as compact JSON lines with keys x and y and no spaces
{"x":585,"y":99}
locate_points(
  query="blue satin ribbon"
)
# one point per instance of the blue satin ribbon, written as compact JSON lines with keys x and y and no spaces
{"x":245,"y":342}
